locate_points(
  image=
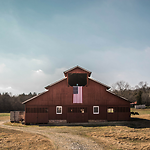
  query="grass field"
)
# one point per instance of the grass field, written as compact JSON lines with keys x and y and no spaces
{"x":4,"y":116}
{"x":12,"y":139}
{"x":134,"y":134}
{"x":141,"y":111}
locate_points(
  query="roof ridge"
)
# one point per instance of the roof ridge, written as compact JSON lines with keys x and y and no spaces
{"x":77,"y":67}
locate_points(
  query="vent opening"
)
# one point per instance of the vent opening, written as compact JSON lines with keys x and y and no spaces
{"x":77,"y":79}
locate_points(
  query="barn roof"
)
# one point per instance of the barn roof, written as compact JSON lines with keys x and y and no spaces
{"x":34,"y":97}
{"x":108,"y":87}
{"x":67,"y":71}
{"x":118,"y":96}
{"x":44,"y":91}
{"x":54,"y":83}
{"x":89,"y":72}
{"x":47,"y":87}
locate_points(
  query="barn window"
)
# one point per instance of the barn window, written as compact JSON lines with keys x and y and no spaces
{"x":58,"y":109}
{"x":110,"y":110}
{"x":95,"y":109}
{"x":45,"y":110}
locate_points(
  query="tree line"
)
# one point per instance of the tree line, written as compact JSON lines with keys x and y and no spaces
{"x":140,"y":93}
{"x":13,"y":103}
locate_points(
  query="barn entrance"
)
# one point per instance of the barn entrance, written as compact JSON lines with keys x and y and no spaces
{"x":36,"y":115}
{"x":77,"y":115}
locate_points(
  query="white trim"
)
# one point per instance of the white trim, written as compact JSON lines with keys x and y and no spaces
{"x":77,"y":67}
{"x":60,"y":109}
{"x":95,"y":112}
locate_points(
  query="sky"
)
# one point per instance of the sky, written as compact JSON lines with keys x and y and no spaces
{"x":39,"y":40}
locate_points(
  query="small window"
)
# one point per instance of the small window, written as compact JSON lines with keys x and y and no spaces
{"x":110,"y":110}
{"x":82,"y":111}
{"x":45,"y":110}
{"x":58,"y":109}
{"x":95,"y":109}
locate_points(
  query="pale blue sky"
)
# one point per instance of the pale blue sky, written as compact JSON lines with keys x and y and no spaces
{"x":41,"y":39}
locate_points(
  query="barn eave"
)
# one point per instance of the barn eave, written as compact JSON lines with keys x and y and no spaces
{"x":47,"y":87}
{"x":118,"y":96}
{"x":108,"y":87}
{"x":34,"y":97}
{"x":89,"y":72}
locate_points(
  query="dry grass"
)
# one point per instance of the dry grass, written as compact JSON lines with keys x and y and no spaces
{"x":121,"y":137}
{"x":4,"y":116}
{"x":134,"y":134}
{"x":141,"y":111}
{"x":12,"y":139}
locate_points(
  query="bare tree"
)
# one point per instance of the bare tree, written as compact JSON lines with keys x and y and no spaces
{"x":141,"y":92}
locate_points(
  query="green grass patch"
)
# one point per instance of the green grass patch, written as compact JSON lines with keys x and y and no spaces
{"x":141,"y":111}
{"x":19,"y":124}
{"x":4,"y":114}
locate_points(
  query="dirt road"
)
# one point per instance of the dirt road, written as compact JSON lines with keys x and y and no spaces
{"x":62,"y":139}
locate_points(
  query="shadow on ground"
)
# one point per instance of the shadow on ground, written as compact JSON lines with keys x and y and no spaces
{"x":133,"y":123}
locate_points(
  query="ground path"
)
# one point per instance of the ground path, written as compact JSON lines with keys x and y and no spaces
{"x":62,"y":139}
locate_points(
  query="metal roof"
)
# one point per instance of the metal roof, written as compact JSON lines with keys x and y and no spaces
{"x":108,"y":87}
{"x":55,"y":83}
{"x":33,"y":97}
{"x":118,"y":96}
{"x":77,"y":67}
{"x":43,"y":92}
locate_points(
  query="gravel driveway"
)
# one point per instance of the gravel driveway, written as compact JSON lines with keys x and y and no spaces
{"x":62,"y":139}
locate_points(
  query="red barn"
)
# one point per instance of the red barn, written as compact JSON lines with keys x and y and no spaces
{"x":76,"y":98}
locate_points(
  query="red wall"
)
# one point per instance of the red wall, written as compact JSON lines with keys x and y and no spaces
{"x":94,"y":94}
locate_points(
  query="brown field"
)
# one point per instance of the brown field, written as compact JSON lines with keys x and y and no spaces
{"x":131,"y":136}
{"x":134,"y":134}
{"x":12,"y":139}
{"x":4,"y":116}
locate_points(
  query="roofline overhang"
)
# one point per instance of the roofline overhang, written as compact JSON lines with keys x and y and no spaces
{"x":34,"y":97}
{"x":118,"y":96}
{"x":47,"y":87}
{"x":108,"y":87}
{"x":78,"y":67}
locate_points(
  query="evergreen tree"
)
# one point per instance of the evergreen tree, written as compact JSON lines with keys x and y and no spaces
{"x":139,"y":98}
{"x":13,"y":103}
